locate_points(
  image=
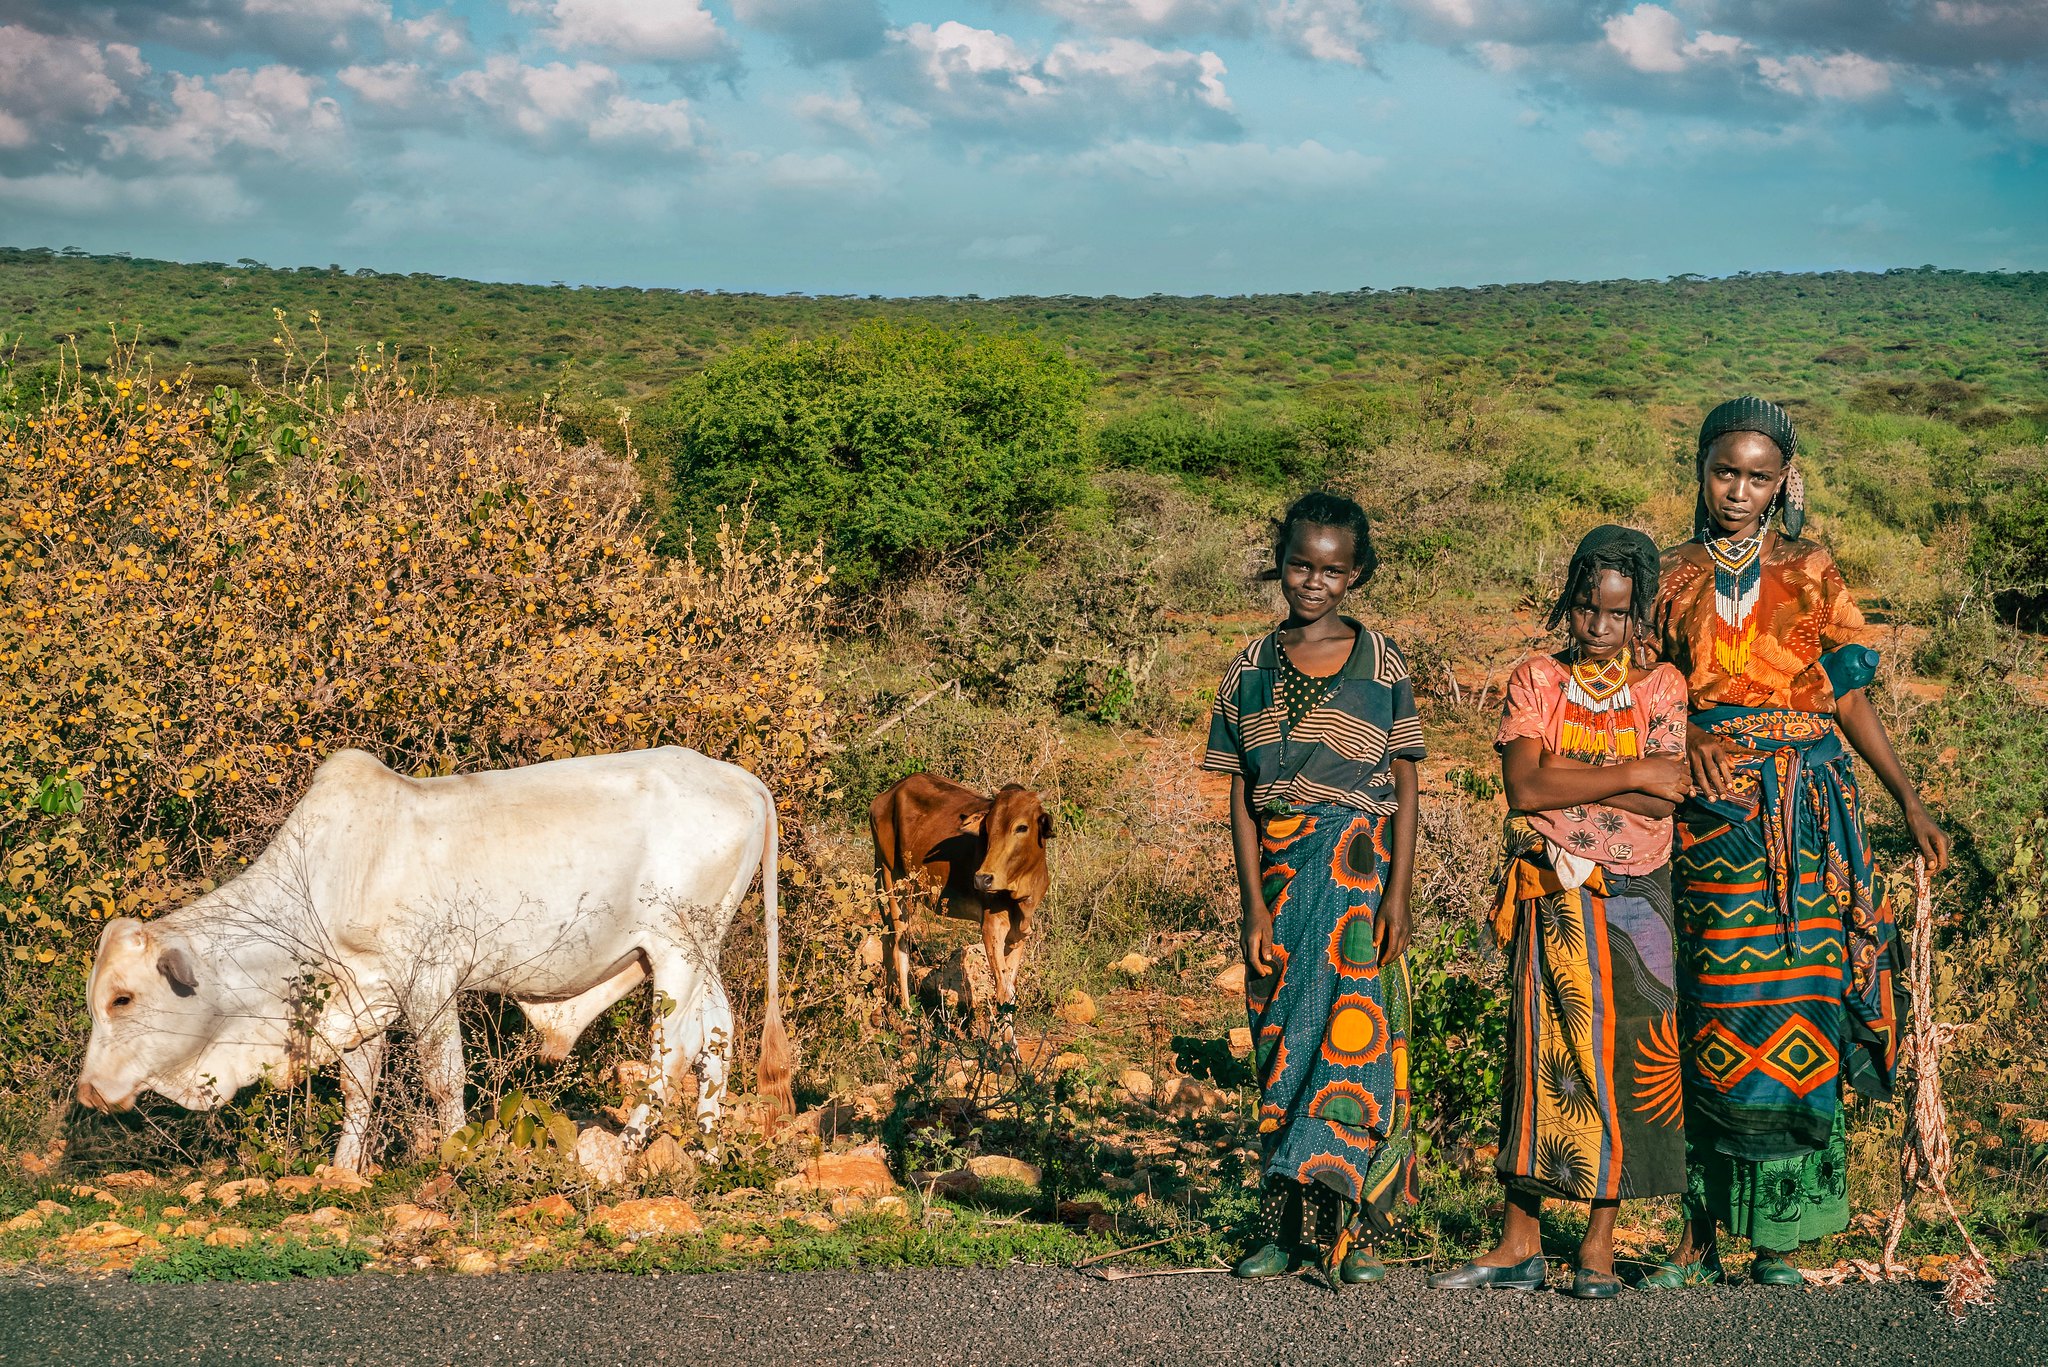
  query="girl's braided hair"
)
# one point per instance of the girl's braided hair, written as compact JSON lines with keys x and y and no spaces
{"x":1623,"y":550}
{"x":1322,"y":509}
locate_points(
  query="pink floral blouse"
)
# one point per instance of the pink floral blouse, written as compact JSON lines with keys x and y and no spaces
{"x":1536,"y":708}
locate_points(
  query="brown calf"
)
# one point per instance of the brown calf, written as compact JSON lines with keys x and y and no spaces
{"x":975,"y":855}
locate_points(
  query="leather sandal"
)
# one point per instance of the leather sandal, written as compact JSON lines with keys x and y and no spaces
{"x":1526,"y":1275}
{"x":1269,"y":1260}
{"x":1360,"y":1265}
{"x":1588,"y":1285}
{"x":1773,"y":1269}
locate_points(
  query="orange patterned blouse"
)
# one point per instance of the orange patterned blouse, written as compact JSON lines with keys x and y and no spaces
{"x":1756,"y":638}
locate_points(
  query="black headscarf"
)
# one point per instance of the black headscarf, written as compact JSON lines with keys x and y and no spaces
{"x":1751,"y":414}
{"x":1622,"y":549}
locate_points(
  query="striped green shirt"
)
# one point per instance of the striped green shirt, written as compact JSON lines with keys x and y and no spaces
{"x":1341,"y":752}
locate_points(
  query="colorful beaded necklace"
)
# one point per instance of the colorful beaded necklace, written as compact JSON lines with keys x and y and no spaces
{"x":1738,"y":588}
{"x":1599,"y":713}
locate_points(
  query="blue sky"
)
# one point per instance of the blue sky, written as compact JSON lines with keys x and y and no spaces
{"x":1031,"y":146}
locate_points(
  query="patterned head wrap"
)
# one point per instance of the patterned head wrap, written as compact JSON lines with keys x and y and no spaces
{"x":1751,"y":414}
{"x":1622,"y":549}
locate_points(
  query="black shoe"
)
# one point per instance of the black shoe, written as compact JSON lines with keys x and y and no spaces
{"x":1523,"y":1276}
{"x":1594,"y":1286}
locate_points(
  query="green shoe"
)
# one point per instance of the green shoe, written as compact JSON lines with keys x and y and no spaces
{"x":1360,"y":1266}
{"x":1771,"y":1269}
{"x":1670,"y":1276}
{"x":1271,"y":1260}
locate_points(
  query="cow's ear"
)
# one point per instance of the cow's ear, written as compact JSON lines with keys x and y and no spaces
{"x":176,"y":966}
{"x":1044,"y":826}
{"x":970,"y":822}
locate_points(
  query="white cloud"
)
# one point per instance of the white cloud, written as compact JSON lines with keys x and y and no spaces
{"x":842,"y":116}
{"x":1212,"y":168}
{"x":976,"y":81}
{"x":817,"y":30}
{"x":826,"y":173}
{"x":1323,"y":30}
{"x":1149,"y":18}
{"x":1841,"y":76}
{"x":46,"y":78}
{"x":1651,"y":38}
{"x":273,"y":110}
{"x":94,"y":195}
{"x":405,"y":87}
{"x":562,"y":102}
{"x":642,"y":30}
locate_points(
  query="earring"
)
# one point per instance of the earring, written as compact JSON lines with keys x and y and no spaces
{"x":1795,"y":503}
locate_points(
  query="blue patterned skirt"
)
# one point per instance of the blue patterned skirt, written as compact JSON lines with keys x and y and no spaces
{"x":1329,"y":1024}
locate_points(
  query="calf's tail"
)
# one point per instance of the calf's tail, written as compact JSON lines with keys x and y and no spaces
{"x":773,"y":1069}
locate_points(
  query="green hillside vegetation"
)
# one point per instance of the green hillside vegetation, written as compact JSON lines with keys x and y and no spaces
{"x":1045,"y":518}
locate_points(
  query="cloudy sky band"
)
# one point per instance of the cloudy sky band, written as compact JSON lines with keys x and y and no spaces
{"x":1054,"y":146}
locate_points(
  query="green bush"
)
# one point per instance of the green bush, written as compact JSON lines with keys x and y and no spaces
{"x":895,"y":444}
{"x":1175,"y":440}
{"x":2010,"y":550}
{"x":190,"y":1260}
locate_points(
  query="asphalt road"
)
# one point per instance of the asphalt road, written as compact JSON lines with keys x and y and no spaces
{"x":1018,"y":1315}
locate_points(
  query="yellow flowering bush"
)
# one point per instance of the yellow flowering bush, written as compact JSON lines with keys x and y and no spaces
{"x":188,"y":626}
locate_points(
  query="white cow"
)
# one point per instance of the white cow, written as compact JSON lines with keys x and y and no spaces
{"x":563,"y":885}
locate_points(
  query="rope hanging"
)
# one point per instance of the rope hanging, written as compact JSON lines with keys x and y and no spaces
{"x":1924,"y":1164}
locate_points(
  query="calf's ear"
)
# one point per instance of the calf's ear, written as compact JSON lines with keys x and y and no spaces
{"x":176,"y":966}
{"x":1044,"y":826}
{"x":970,"y":822}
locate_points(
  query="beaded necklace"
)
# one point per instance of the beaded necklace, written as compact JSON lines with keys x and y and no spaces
{"x":1738,"y":588}
{"x":1599,"y":713}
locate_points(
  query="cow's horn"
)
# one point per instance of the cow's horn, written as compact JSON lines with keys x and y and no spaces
{"x":176,"y":966}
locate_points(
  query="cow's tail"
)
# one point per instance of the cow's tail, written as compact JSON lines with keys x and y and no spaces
{"x":772,"y":1070}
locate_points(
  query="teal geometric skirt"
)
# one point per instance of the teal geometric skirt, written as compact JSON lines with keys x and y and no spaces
{"x":1329,"y":1025}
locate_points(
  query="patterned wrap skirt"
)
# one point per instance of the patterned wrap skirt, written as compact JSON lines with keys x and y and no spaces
{"x":1329,"y":1024}
{"x":1787,"y":977}
{"x":1592,"y":1101}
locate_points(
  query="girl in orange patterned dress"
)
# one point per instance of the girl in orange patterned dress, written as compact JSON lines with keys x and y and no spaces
{"x":1592,"y":749}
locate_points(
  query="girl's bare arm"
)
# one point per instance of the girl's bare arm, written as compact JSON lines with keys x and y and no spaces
{"x":1860,"y":723}
{"x":1392,"y":926}
{"x":1255,"y":929}
{"x":1539,"y":783}
{"x":1638,"y":801}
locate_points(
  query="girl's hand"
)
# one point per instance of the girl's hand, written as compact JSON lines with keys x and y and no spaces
{"x":1255,"y":939}
{"x":1391,"y":929}
{"x":1931,"y":839}
{"x":1663,"y":777}
{"x":1713,"y":759}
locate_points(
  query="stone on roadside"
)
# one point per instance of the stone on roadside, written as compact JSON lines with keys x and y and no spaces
{"x":1136,"y":1083}
{"x":864,"y":1171}
{"x":552,"y":1209}
{"x":103,"y":1236}
{"x":892,"y":1206}
{"x":664,"y":1155}
{"x":192,"y":1229}
{"x":28,"y":1219}
{"x":994,"y":1167}
{"x":228,"y":1195}
{"x":956,"y":1183}
{"x":1231,"y":980}
{"x":1078,"y":1008}
{"x":843,"y":1206}
{"x":134,"y":1180}
{"x":407,"y":1221}
{"x":230,"y":1236}
{"x":1133,"y":965}
{"x":193,"y":1192}
{"x":603,"y":1155}
{"x":650,"y":1217}
{"x":1241,"y":1041}
{"x":473,"y":1262}
{"x":1068,"y":1062}
{"x":49,"y":1207}
{"x":1191,"y":1098}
